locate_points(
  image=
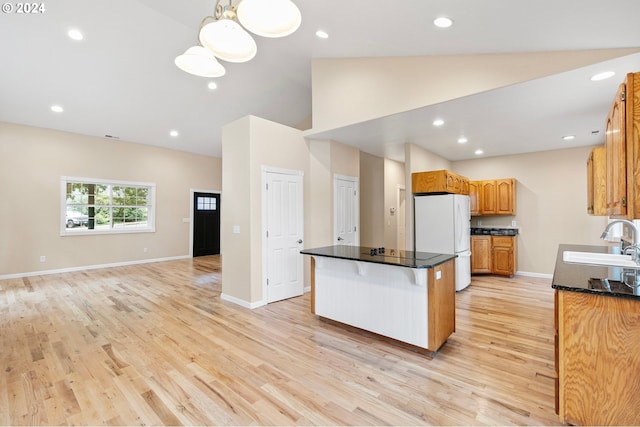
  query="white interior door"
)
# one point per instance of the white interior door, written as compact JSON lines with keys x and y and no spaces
{"x":284,"y":233}
{"x":346,"y":210}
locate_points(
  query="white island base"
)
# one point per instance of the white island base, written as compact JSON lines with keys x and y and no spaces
{"x":414,"y":306}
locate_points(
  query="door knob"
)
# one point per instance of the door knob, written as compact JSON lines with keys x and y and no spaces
{"x":299,"y":240}
{"x":340,"y":238}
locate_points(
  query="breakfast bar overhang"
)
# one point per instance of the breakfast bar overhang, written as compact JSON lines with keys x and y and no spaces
{"x":406,"y":296}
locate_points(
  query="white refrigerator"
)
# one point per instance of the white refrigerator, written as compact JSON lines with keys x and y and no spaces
{"x":442,"y":224}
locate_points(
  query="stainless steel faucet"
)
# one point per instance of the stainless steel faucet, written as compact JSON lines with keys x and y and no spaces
{"x":636,"y":237}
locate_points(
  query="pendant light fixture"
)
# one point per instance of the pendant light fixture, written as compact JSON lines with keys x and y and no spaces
{"x":223,"y":37}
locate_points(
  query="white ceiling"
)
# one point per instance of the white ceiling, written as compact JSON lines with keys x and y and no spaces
{"x":121,"y":80}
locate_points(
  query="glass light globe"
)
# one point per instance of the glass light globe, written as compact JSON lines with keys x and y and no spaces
{"x":269,"y":18}
{"x":228,"y":41}
{"x":200,"y":62}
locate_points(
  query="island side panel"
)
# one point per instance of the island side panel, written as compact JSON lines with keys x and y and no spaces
{"x":313,"y":285}
{"x":384,"y":299}
{"x":442,"y":303}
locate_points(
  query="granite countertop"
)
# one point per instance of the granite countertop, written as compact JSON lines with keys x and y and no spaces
{"x":395,"y":257}
{"x":494,"y":231}
{"x":590,"y":278}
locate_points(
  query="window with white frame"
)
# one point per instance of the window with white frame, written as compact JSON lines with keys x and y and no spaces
{"x":92,"y":206}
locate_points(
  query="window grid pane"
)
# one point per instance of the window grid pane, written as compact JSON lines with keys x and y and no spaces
{"x":206,"y":203}
{"x":104,"y":207}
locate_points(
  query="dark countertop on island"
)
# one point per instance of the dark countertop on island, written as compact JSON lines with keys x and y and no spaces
{"x":395,"y":257}
{"x":591,"y":278}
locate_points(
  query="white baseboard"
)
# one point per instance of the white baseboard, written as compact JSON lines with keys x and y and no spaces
{"x":90,"y":267}
{"x":530,"y":274}
{"x":241,"y":302}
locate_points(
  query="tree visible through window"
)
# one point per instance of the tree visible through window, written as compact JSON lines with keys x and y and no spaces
{"x":97,"y":206}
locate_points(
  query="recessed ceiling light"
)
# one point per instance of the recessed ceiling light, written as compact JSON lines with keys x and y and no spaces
{"x":568,"y":137}
{"x":174,"y":133}
{"x":602,"y":76}
{"x":75,"y":34}
{"x":478,"y":152}
{"x":57,"y":109}
{"x":443,"y":22}
{"x":438,"y":122}
{"x":212,"y":85}
{"x":462,"y":140}
{"x":322,"y":34}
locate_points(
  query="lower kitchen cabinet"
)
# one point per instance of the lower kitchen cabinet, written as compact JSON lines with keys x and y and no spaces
{"x":597,"y":359}
{"x":494,"y":254}
{"x":480,"y":254}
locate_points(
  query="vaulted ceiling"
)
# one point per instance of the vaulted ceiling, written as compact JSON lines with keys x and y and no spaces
{"x":120,"y":80}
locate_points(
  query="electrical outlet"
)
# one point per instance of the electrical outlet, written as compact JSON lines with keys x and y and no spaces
{"x":145,"y":250}
{"x":43,"y":258}
{"x":479,"y":222}
{"x":513,"y":223}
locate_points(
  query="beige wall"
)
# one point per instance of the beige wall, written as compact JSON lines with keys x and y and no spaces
{"x":237,"y":257}
{"x":353,"y":90}
{"x":551,"y":204}
{"x":327,"y":159}
{"x":319,"y":198}
{"x":248,"y":145}
{"x":394,"y":178}
{"x":372,"y":200}
{"x":32,"y":161}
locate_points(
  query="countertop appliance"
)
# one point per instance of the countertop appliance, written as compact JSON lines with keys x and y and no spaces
{"x":442,"y":224}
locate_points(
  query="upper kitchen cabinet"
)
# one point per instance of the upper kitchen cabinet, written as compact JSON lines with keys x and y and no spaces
{"x":439,"y":182}
{"x":622,"y":146}
{"x":493,"y":197}
{"x":597,"y":182}
{"x":474,"y":196}
{"x":616,"y":182}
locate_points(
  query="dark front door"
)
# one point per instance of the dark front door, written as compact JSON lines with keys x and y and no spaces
{"x":206,"y":224}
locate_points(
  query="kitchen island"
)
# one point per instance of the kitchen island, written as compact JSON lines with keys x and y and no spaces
{"x":597,"y":342}
{"x":405,"y":296}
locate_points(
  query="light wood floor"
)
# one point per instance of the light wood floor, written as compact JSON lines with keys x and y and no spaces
{"x":154,"y":344}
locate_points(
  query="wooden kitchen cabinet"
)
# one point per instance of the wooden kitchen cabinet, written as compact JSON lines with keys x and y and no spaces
{"x":503,"y":255}
{"x":597,"y":182}
{"x":506,"y":196}
{"x":494,"y":254}
{"x":616,"y":182}
{"x":480,"y":254}
{"x":488,"y":198}
{"x":440,"y":181}
{"x":493,"y":197}
{"x":474,"y":196}
{"x":622,"y":143}
{"x":597,"y":356}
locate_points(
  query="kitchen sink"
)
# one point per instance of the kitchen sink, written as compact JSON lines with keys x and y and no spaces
{"x":596,"y":258}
